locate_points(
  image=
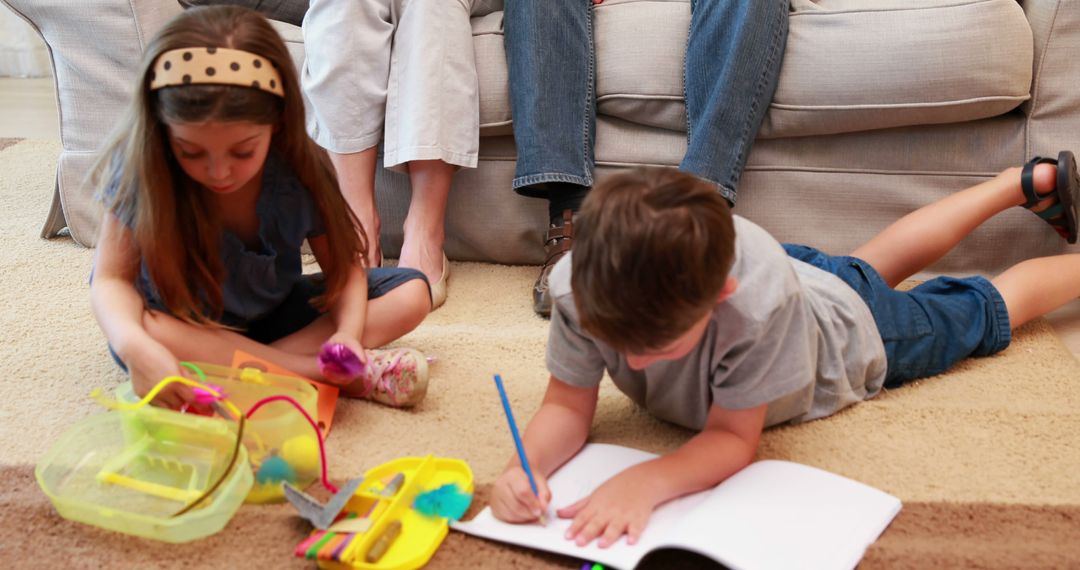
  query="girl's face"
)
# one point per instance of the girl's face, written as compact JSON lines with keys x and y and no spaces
{"x":222,"y":156}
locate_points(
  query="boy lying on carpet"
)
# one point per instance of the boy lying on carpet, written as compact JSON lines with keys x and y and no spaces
{"x":708,"y":322}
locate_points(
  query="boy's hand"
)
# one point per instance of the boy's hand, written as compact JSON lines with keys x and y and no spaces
{"x":620,"y":506}
{"x":512,"y":498}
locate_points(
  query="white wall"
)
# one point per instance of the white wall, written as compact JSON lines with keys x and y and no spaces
{"x":22,"y":52}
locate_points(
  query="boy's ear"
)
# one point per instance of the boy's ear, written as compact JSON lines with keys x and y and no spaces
{"x":729,"y":288}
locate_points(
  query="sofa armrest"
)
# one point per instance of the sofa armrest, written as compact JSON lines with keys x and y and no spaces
{"x":1054,"y":108}
{"x":95,"y":48}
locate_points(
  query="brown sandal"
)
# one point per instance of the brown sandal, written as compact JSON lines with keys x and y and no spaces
{"x":557,"y":241}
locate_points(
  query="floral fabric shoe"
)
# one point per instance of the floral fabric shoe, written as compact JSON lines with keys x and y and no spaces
{"x":396,"y":377}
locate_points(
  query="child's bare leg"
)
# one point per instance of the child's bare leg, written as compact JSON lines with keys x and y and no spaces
{"x":216,"y":346}
{"x":1035,"y":287}
{"x":922,"y":237}
{"x":388,"y":318}
{"x":425,"y":225}
{"x":356,"y":176}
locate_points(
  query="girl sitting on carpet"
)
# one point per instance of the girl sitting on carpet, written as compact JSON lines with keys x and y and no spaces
{"x":211,"y":186}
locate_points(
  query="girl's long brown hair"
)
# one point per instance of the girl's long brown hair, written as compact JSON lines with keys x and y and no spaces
{"x":175,"y":228}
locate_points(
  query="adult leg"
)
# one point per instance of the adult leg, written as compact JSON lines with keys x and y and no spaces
{"x":345,"y":73}
{"x":920,"y":238}
{"x":425,"y":225}
{"x":432,"y":120}
{"x":733,"y":57}
{"x":549,"y":53}
{"x":291,"y":11}
{"x":356,"y":177}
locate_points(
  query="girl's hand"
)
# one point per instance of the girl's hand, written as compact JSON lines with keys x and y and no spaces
{"x":339,"y":372}
{"x":620,"y":506}
{"x":350,"y":342}
{"x":151,"y":364}
{"x":512,"y":498}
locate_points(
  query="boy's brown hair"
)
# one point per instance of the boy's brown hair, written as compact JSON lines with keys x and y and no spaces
{"x":652,"y":252}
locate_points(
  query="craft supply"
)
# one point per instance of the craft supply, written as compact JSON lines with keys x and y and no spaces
{"x":351,"y":525}
{"x":322,"y":449}
{"x":274,"y":469}
{"x":386,"y":494}
{"x":321,"y":516}
{"x":338,"y":363}
{"x":517,"y":441}
{"x":393,"y":486}
{"x":344,"y":544}
{"x":771,"y":514}
{"x":447,"y":501}
{"x":302,"y":453}
{"x":383,"y":543}
{"x":140,"y":470}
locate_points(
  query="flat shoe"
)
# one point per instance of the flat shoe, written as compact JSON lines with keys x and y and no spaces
{"x":438,"y":289}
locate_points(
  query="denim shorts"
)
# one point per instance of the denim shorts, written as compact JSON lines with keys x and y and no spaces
{"x":296,"y":312}
{"x":929,"y":328}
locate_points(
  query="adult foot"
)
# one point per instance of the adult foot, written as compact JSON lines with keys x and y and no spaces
{"x":427,"y":257}
{"x":557,"y":242}
{"x":374,"y":248}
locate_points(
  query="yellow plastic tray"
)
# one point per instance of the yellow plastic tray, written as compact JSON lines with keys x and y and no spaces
{"x":272,"y":426}
{"x":130,"y":471}
{"x":420,"y":535}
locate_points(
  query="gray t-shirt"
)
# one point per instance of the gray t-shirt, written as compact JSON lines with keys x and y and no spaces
{"x":791,"y":335}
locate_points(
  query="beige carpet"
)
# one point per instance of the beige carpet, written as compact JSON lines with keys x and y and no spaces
{"x":985,"y":457}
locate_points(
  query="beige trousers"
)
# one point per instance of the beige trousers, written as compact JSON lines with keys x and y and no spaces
{"x":398,"y":70}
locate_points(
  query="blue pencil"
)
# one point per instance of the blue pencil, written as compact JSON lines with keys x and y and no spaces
{"x":517,"y":439}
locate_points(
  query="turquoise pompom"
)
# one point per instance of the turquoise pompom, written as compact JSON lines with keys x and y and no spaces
{"x":275,"y":470}
{"x":448,"y":501}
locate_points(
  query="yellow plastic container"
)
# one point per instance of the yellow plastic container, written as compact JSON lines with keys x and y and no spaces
{"x":277,"y":428}
{"x":420,"y":535}
{"x":131,"y":471}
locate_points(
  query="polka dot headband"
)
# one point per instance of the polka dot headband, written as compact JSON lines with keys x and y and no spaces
{"x":215,"y":66}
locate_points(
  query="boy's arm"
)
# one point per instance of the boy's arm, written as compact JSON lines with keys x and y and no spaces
{"x":560,"y":427}
{"x":624,"y":503}
{"x":118,"y":308}
{"x":554,"y":435}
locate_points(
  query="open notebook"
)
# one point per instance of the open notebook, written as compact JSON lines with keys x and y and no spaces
{"x":772,"y":514}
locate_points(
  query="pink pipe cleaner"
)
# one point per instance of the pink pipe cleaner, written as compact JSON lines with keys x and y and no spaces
{"x":318,"y":435}
{"x":338,"y":363}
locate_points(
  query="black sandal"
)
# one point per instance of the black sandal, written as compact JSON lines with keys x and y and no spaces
{"x":1063,"y":215}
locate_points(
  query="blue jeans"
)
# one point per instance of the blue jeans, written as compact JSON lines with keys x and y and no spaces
{"x":929,"y":328}
{"x":732,"y":63}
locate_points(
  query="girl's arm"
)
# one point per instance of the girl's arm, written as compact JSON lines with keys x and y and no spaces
{"x":118,"y":308}
{"x":349,"y":311}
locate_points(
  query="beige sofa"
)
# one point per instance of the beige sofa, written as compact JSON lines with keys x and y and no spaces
{"x":882,"y":106}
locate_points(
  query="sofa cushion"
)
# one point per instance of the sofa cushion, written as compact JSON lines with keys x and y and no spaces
{"x":847,"y":67}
